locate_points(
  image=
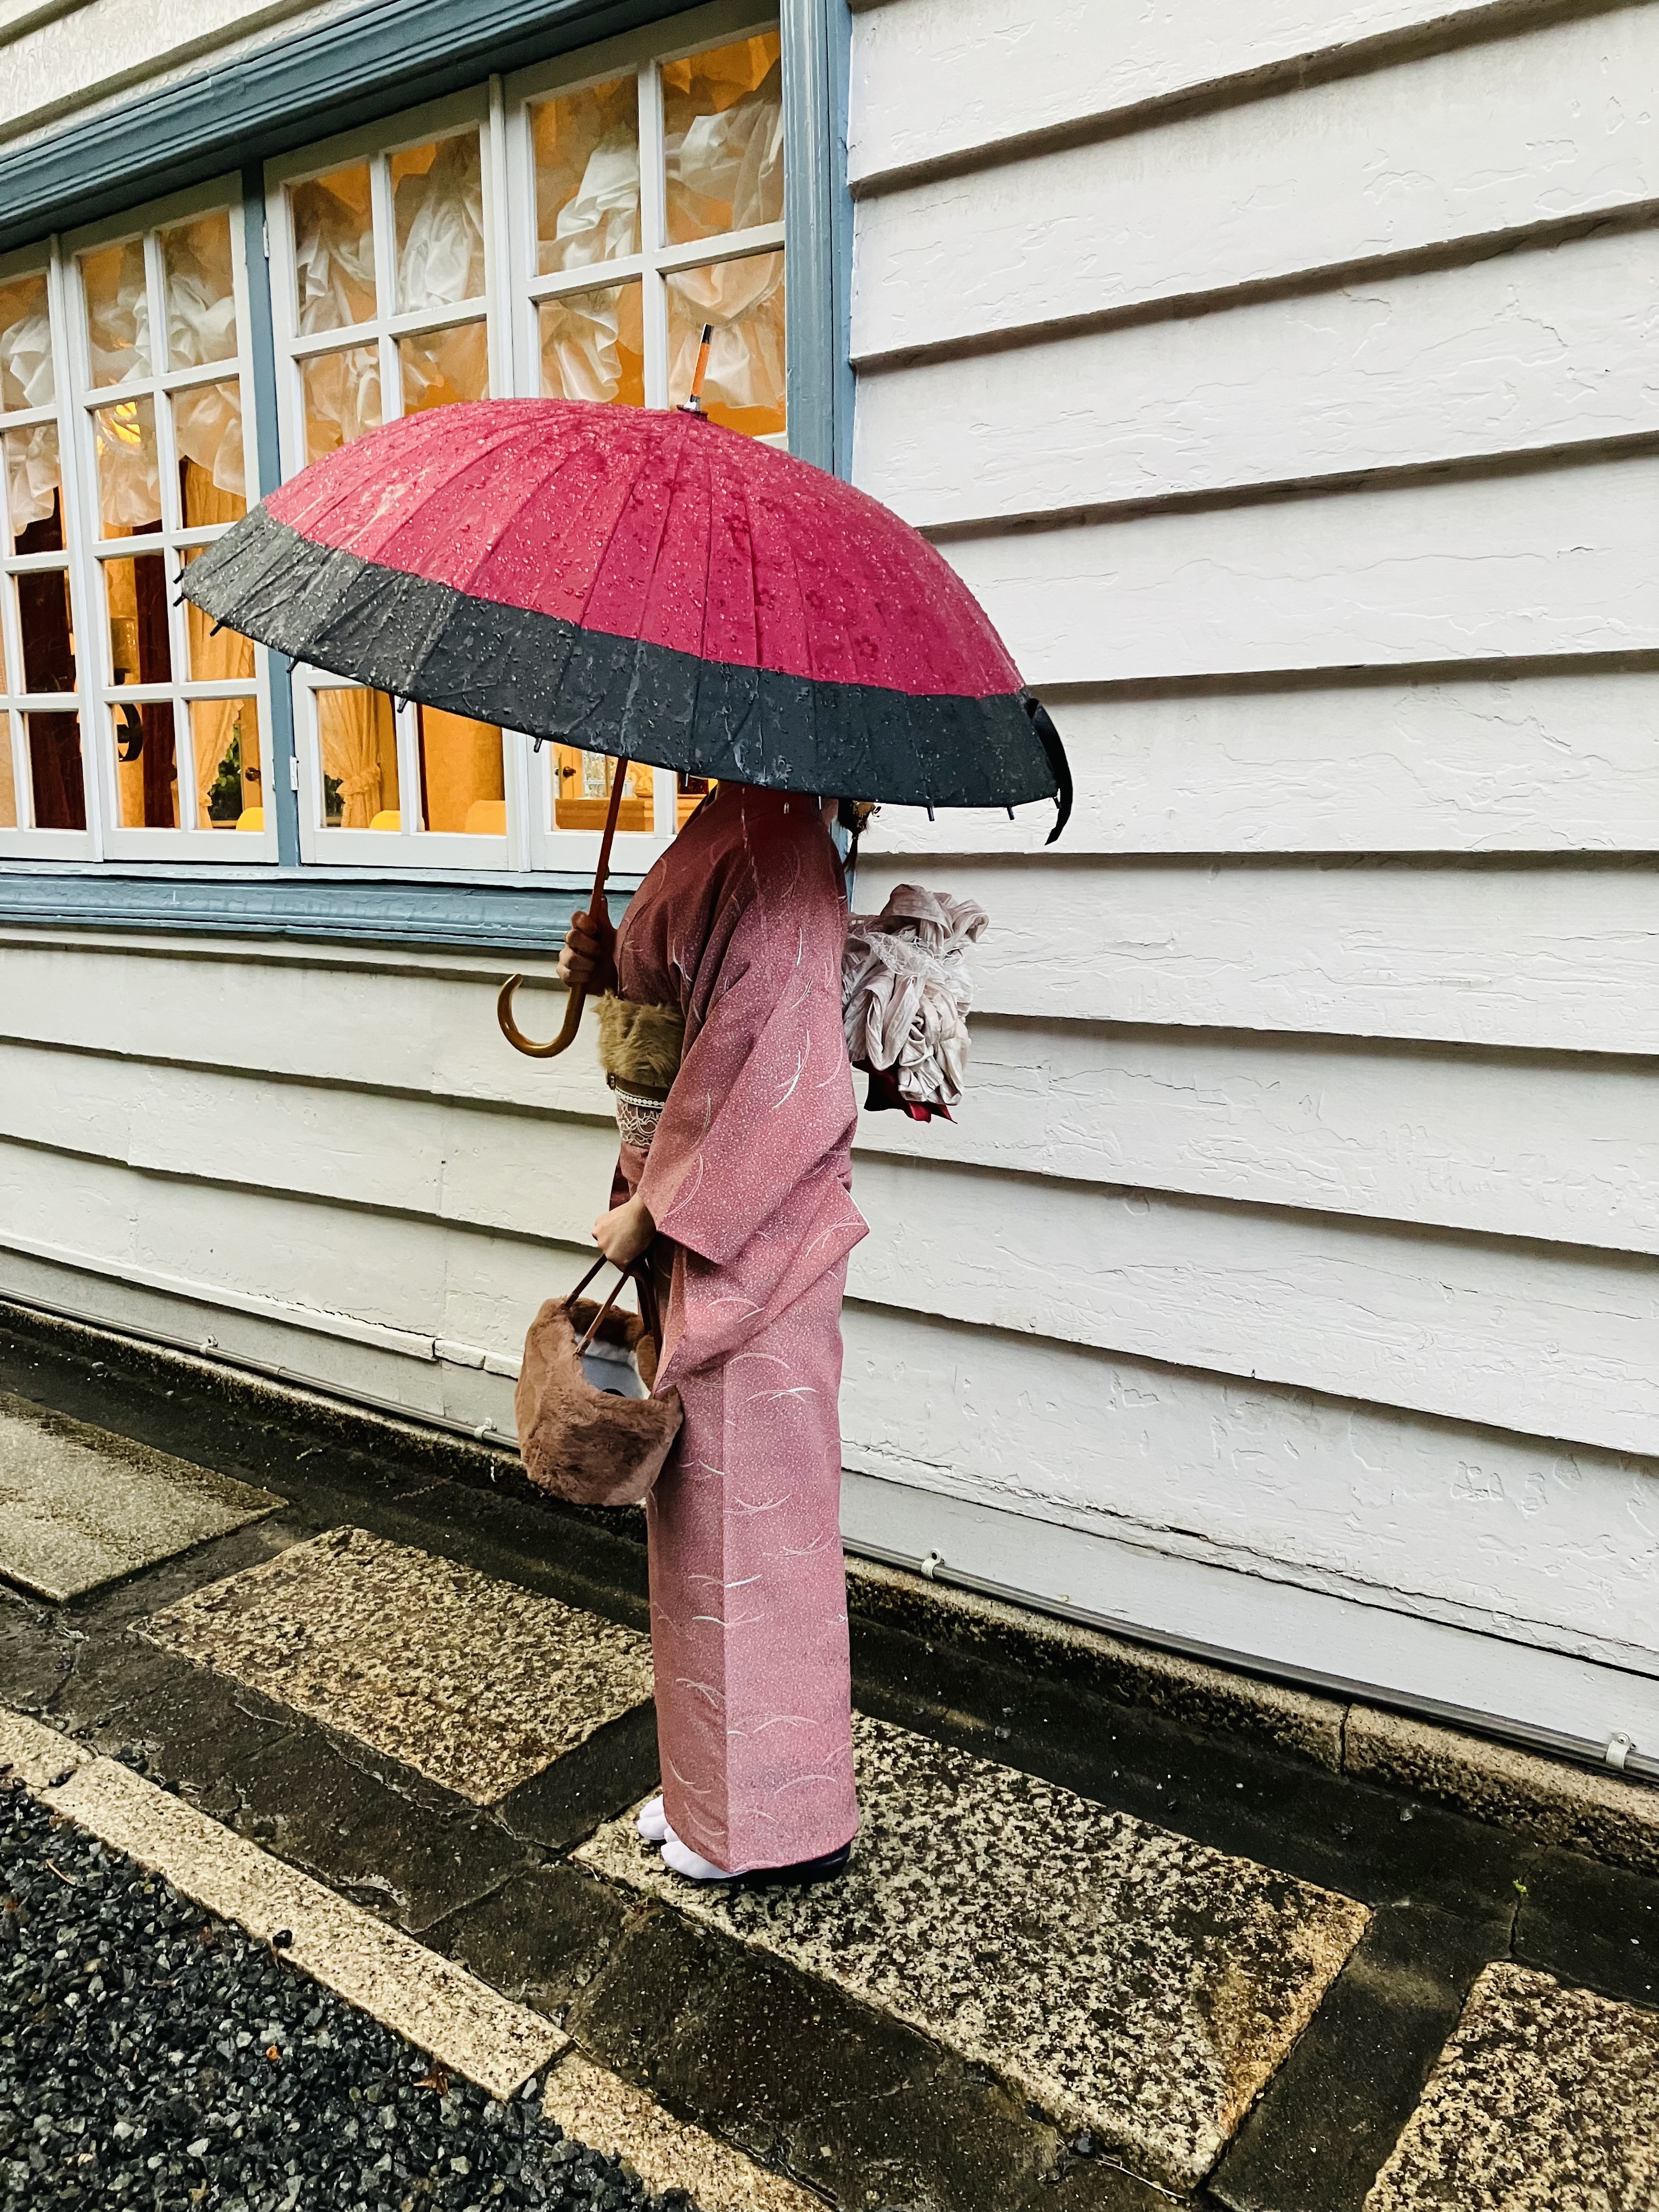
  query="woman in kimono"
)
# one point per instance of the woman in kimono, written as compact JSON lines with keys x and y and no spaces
{"x":745,"y":1191}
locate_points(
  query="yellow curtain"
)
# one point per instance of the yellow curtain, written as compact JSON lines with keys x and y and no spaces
{"x":359,"y":739}
{"x":220,"y":658}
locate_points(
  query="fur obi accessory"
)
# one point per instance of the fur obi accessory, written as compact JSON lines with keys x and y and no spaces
{"x":639,"y":1049}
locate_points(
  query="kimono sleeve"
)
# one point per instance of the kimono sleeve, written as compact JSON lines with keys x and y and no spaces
{"x":764,"y":1094}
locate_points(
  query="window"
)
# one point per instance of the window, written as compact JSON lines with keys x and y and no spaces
{"x":161,"y":395}
{"x":646,"y":204}
{"x":570,"y":233}
{"x":43,"y":798}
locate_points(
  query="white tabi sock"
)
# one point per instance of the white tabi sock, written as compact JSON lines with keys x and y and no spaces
{"x":676,"y":1856}
{"x":652,"y":1823}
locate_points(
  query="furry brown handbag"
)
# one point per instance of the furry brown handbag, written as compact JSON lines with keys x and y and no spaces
{"x":589,"y":1446}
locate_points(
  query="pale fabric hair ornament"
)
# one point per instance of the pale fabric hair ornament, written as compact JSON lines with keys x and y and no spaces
{"x":905,"y":996}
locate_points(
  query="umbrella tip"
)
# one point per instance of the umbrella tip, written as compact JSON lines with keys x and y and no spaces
{"x":693,"y":404}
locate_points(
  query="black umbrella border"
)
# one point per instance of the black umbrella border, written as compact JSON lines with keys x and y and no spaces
{"x":428,"y":641}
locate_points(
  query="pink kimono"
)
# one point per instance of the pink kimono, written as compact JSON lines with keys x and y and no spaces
{"x":741,"y":924}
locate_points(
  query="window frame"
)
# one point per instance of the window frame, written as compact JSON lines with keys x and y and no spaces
{"x":500,"y":110}
{"x":383,"y":64}
{"x":645,"y":53}
{"x":375,"y":145}
{"x":26,"y":843}
{"x":189,"y":842}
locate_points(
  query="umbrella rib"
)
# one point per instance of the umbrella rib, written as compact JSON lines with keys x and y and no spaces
{"x":610,"y":539}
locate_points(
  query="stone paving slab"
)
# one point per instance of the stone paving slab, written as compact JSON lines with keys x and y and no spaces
{"x":81,"y":1506}
{"x":1129,"y":1980}
{"x":1546,"y":2099}
{"x":474,"y":1682}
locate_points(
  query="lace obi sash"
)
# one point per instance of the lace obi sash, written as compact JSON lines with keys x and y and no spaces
{"x":639,"y":1049}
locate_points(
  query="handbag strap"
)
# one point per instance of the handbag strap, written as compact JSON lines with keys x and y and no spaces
{"x":639,"y":1272}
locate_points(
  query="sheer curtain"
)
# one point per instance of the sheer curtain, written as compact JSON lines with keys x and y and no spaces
{"x":25,"y":379}
{"x":220,"y":658}
{"x":732,"y":159}
{"x":724,"y":172}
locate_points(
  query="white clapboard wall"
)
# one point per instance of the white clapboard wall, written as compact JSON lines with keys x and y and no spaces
{"x":1284,"y":376}
{"x":1284,"y":379}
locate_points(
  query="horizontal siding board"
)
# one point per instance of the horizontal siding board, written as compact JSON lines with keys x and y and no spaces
{"x":1520,"y":353}
{"x":1495,"y":1144}
{"x":1546,"y":1545}
{"x":418,"y":1280}
{"x":1505,"y":1146}
{"x":366,"y":1023}
{"x":1520,"y":1337}
{"x":1490,"y":139}
{"x":1551,"y":1340}
{"x":1540,"y":957}
{"x":428,"y":1159}
{"x":1556,"y":763}
{"x":1552,"y":561}
{"x":937,"y":78}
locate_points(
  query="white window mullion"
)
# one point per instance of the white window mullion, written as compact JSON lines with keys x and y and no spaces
{"x":498,"y":290}
{"x":653,"y":220}
{"x":78,"y":488}
{"x":386,"y":285}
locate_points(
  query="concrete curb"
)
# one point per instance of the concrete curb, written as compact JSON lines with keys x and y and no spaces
{"x":1554,"y":1800}
{"x":434,"y":2004}
{"x":1572,"y":1806}
{"x":1296,"y":1721}
{"x":441,"y":2008}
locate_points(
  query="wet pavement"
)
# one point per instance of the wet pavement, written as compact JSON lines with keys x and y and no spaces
{"x":1093,"y":1953}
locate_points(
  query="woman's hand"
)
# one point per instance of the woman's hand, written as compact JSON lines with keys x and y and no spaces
{"x":588,"y":961}
{"x":623,"y":1233}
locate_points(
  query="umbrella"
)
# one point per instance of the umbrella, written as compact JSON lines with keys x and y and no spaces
{"x":645,"y":584}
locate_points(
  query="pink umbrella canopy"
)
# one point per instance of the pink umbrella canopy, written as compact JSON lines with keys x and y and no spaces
{"x":645,"y":584}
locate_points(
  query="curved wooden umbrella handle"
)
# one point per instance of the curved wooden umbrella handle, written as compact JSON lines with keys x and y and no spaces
{"x":516,"y":1037}
{"x":577,"y":998}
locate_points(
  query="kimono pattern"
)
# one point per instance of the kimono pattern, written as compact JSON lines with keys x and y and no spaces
{"x":741,"y":924}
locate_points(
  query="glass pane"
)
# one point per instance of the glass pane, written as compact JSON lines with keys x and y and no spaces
{"x":201,"y":293}
{"x":8,"y":779}
{"x":146,"y":764}
{"x":34,"y":491}
{"x":129,"y":478}
{"x":582,"y":792}
{"x":333,"y":251}
{"x":226,"y":657}
{"x":141,"y":648}
{"x":593,"y":346}
{"x":58,"y":787}
{"x":587,"y":149}
{"x":744,"y":301}
{"x":25,"y":344}
{"x":207,"y":427}
{"x":342,"y":397}
{"x":723,"y":139}
{"x":441,"y":366}
{"x":43,"y":614}
{"x":225,"y":740}
{"x":461,"y":785}
{"x":118,"y":312}
{"x":437,"y":199}
{"x":359,"y":736}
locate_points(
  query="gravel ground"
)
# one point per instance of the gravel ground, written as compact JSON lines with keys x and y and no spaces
{"x":151,"y":2055}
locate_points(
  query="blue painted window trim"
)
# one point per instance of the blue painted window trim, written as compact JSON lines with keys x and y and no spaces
{"x":377,"y":61}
